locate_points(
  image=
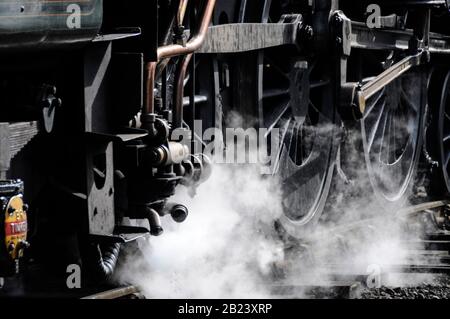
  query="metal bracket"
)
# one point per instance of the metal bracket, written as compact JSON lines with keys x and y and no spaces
{"x":343,"y":33}
{"x":391,"y":21}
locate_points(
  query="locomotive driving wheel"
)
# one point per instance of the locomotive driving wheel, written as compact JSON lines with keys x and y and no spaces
{"x":392,"y":134}
{"x":295,"y":101}
{"x":439,"y":132}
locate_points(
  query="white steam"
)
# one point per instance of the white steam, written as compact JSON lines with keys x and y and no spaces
{"x":224,"y":248}
{"x":228,"y":247}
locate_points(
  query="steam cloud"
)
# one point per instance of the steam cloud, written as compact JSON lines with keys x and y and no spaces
{"x":222,"y":250}
{"x":227,"y":248}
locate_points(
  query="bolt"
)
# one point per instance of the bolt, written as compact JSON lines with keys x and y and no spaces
{"x":337,"y":19}
{"x":226,"y":75}
{"x":307,"y":32}
{"x":51,"y":90}
{"x":155,"y":156}
{"x":23,"y":244}
{"x":46,"y":103}
{"x":56,"y":103}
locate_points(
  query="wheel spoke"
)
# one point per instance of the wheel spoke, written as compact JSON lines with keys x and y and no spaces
{"x":298,"y":177}
{"x":447,"y":160}
{"x":275,"y":118}
{"x":318,"y":84}
{"x":395,"y":171}
{"x":275,"y":67}
{"x":394,"y":137}
{"x":375,"y":102}
{"x":283,"y":134}
{"x":446,"y":117}
{"x":446,"y":139}
{"x":273,"y":93}
{"x":311,"y":104}
{"x":381,"y":119}
{"x":385,"y":144}
{"x":410,"y":104}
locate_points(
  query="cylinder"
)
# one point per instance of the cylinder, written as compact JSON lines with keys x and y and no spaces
{"x":170,"y":154}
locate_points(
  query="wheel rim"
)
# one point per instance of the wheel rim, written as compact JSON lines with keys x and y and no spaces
{"x":296,"y":98}
{"x":444,"y":131}
{"x":391,"y":131}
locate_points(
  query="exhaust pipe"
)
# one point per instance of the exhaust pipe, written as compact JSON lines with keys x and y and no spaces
{"x":155,"y":222}
{"x":178,"y":212}
{"x":104,"y":260}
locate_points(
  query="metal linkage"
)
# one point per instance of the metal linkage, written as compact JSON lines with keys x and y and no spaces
{"x":363,"y":37}
{"x":353,"y":96}
{"x":361,"y":93}
{"x":244,"y":37}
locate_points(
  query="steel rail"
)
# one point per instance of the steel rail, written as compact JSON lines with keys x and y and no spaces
{"x":115,"y":293}
{"x":402,"y":213}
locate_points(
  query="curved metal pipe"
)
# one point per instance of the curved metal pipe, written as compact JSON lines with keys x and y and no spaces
{"x":181,"y":11}
{"x":173,"y":50}
{"x":150,"y":87}
{"x":179,"y":92}
{"x":103,"y":260}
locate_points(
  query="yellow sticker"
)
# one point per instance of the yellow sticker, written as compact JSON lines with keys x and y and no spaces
{"x":16,"y":227}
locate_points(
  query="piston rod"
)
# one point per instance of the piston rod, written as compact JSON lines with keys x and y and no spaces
{"x":366,"y":91}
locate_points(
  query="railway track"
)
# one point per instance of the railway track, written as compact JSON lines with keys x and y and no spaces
{"x":127,"y":292}
{"x":342,"y":281}
{"x":427,"y":254}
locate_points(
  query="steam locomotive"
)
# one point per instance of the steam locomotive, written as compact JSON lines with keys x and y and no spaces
{"x":95,"y":95}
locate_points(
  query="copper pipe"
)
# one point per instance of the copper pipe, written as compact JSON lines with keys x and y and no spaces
{"x":179,"y":91}
{"x":150,"y":99}
{"x":181,"y":11}
{"x":173,"y":50}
